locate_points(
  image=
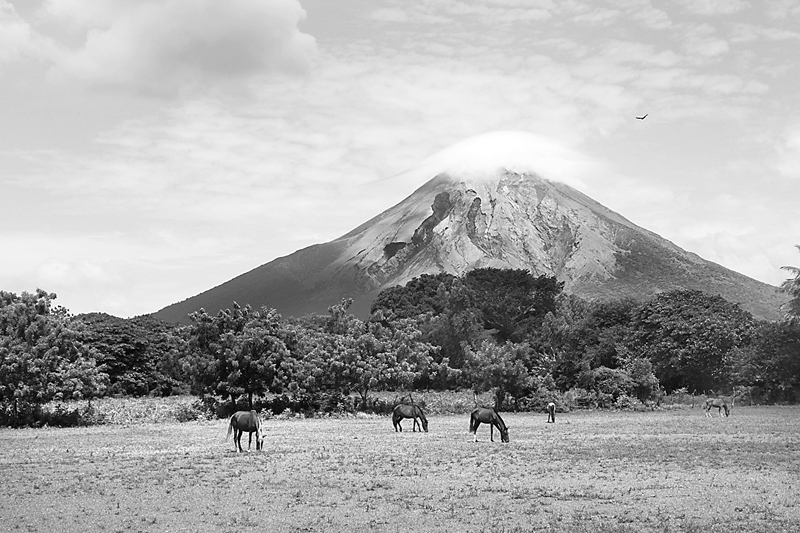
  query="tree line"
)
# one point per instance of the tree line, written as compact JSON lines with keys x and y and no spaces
{"x":505,"y":331}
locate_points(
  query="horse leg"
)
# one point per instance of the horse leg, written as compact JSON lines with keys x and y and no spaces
{"x":475,"y":429}
{"x":249,"y":440}
{"x":237,"y":439}
{"x":491,"y":432}
{"x":414,"y":426}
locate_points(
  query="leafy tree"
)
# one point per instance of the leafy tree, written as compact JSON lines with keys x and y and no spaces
{"x":608,"y":382}
{"x":419,"y":296}
{"x":554,"y":333}
{"x":689,"y":337}
{"x":350,"y":355}
{"x":42,"y":356}
{"x":458,"y":327}
{"x":594,"y":339}
{"x":131,"y":351}
{"x":512,"y":302}
{"x":600,"y":335}
{"x":644,"y":381}
{"x":261,"y":360}
{"x":240,"y":351}
{"x":500,"y":368}
{"x":792,"y":287}
{"x":770,"y":363}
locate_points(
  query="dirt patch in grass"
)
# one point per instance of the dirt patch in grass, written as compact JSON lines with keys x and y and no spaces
{"x":670,"y":471}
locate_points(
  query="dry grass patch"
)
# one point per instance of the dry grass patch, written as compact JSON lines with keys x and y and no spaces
{"x":610,"y":472}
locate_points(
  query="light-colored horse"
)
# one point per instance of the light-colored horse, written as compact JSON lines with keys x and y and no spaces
{"x":721,"y":404}
{"x":487,"y":416}
{"x":551,"y":413}
{"x":409,"y":411}
{"x":242,"y":421}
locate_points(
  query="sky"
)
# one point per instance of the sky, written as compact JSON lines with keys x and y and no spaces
{"x":153,"y":149}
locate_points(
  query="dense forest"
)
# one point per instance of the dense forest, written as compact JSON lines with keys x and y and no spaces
{"x":508,"y":332}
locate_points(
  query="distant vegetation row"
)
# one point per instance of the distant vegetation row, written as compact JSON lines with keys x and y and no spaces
{"x":517,"y":337}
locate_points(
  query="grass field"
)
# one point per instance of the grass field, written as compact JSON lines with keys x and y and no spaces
{"x":670,"y":471}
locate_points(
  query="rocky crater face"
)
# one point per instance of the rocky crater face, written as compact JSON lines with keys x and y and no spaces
{"x":512,"y":221}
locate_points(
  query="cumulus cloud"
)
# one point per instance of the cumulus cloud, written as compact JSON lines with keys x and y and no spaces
{"x":163,"y":47}
{"x":18,"y":40}
{"x":14,"y":33}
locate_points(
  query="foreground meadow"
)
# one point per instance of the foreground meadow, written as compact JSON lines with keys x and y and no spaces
{"x":672,"y":471}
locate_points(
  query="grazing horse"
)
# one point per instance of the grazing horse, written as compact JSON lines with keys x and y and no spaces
{"x":487,"y":416}
{"x":409,"y":411}
{"x":551,"y":413}
{"x":720,"y":403}
{"x":242,"y":421}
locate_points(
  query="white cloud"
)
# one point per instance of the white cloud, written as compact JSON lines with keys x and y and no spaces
{"x":783,"y":9}
{"x":15,"y":33}
{"x":598,"y":17}
{"x":643,"y":12}
{"x":788,"y":161}
{"x":482,"y":155}
{"x":163,"y":47}
{"x":715,"y":7}
{"x":18,"y":40}
{"x":389,"y":15}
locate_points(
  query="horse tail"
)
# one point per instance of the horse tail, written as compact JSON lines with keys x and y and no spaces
{"x":472,"y":428}
{"x":230,"y":429}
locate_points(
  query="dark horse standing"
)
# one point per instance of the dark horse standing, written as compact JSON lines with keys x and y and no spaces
{"x":721,"y":404}
{"x":409,"y":411}
{"x":551,"y":412}
{"x":242,"y":421}
{"x":487,"y":416}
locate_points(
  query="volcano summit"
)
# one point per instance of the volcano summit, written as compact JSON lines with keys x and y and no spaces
{"x":484,"y":206}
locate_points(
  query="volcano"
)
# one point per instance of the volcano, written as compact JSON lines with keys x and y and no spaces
{"x":484,"y":205}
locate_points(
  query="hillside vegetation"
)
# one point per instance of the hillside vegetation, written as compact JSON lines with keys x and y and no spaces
{"x":505,"y":333}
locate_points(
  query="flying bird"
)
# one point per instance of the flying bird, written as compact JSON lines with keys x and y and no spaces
{"x":644,"y":117}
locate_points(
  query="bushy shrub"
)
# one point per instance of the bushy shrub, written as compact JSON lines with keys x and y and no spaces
{"x":336,"y":402}
{"x":188,"y":413}
{"x":63,"y":415}
{"x":380,"y":406}
{"x":628,"y":403}
{"x":210,"y":407}
{"x":578,"y":398}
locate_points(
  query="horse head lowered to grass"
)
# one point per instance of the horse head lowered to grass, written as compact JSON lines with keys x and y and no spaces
{"x":409,"y":411}
{"x":721,"y":404}
{"x":242,"y":421}
{"x":487,"y":416}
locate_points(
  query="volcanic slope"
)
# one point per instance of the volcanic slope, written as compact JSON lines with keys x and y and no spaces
{"x":502,"y":219}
